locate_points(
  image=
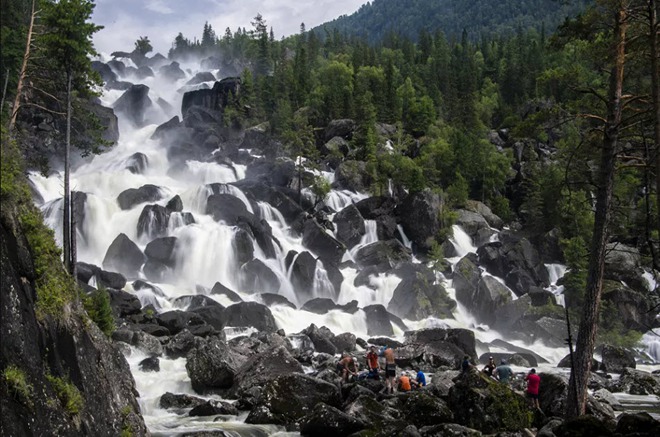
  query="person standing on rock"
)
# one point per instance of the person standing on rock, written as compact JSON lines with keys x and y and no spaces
{"x":490,"y":367}
{"x":503,"y":372}
{"x":390,"y":370}
{"x":533,"y":383}
{"x":372,"y":364}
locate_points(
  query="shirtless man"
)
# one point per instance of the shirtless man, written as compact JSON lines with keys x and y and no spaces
{"x":390,"y":370}
{"x":345,"y":366}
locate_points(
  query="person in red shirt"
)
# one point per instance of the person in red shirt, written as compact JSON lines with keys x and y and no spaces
{"x":533,"y":382}
{"x":372,"y":363}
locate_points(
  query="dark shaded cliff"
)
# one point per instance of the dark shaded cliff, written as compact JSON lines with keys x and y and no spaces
{"x":60,"y":375}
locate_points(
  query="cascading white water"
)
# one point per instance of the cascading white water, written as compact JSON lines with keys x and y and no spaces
{"x":205,"y":252}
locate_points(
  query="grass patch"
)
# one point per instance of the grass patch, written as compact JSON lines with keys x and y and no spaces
{"x":17,"y":384}
{"x":68,"y":394}
{"x":98,"y":308}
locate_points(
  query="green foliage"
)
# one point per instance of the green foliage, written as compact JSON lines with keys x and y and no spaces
{"x":98,"y":308}
{"x":67,"y":393}
{"x":12,"y":185}
{"x":320,"y":188}
{"x":436,"y":256}
{"x":509,"y":407}
{"x":143,"y":45}
{"x":611,"y":330}
{"x":17,"y":383}
{"x":575,"y":279}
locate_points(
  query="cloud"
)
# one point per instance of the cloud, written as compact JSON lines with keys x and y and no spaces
{"x":125,"y":21}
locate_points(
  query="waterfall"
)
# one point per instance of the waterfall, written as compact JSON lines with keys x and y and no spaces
{"x":461,"y":241}
{"x":404,"y":238}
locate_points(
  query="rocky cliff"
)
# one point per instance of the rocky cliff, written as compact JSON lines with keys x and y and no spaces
{"x":60,"y":374}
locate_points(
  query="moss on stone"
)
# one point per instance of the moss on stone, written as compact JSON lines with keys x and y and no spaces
{"x":67,"y":393}
{"x":17,"y":383}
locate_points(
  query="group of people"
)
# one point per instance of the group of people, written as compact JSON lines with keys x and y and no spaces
{"x":348,"y":367}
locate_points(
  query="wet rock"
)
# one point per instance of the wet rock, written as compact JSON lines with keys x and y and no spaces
{"x":378,"y":320}
{"x":638,"y":424}
{"x":344,"y":342}
{"x":270,"y":299}
{"x":637,"y":382}
{"x":147,"y":343}
{"x":151,"y":364}
{"x":423,"y":409}
{"x":180,"y":344}
{"x":212,"y":365}
{"x":471,"y":222}
{"x":179,"y":401}
{"x":134,"y":103}
{"x":162,"y":250}
{"x":303,"y":273}
{"x":480,"y":403}
{"x":191,"y":302}
{"x":321,"y":243}
{"x":243,"y":246}
{"x":327,"y":421}
{"x":175,"y":204}
{"x":212,"y":315}
{"x":350,"y":225}
{"x":177,"y":321}
{"x":153,"y":221}
{"x":137,"y":163}
{"x":379,"y":416}
{"x":123,"y":303}
{"x":616,"y":359}
{"x":383,"y":255}
{"x":221,"y":290}
{"x":244,"y":314}
{"x":286,"y":399}
{"x":416,"y":299}
{"x":584,"y":425}
{"x":171,"y":72}
{"x":418,"y":214}
{"x":212,"y":408}
{"x":110,"y":279}
{"x":124,"y":256}
{"x":261,"y":368}
{"x":322,"y":339}
{"x":202,"y":76}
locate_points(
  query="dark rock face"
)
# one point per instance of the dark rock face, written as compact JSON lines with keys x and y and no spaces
{"x":303,"y":273}
{"x":638,"y":382}
{"x":137,"y":163}
{"x":378,"y":320}
{"x":322,"y":244}
{"x":416,"y":299}
{"x":327,"y":421}
{"x":423,"y":409}
{"x":167,"y":129}
{"x":153,"y":221}
{"x":342,"y":128}
{"x":286,"y":399}
{"x":488,"y":406}
{"x":151,"y":364}
{"x":127,"y":199}
{"x":216,"y":98}
{"x":321,"y":338}
{"x":179,"y":401}
{"x":134,"y":103}
{"x":244,"y":314}
{"x":634,"y":308}
{"x":270,"y":299}
{"x":352,"y":176}
{"x":418,"y":215}
{"x":72,"y":350}
{"x":258,"y":277}
{"x":123,"y":256}
{"x":212,"y":365}
{"x":123,"y":303}
{"x":231,"y":210}
{"x":616,"y":359}
{"x":162,"y":250}
{"x":202,"y":76}
{"x":638,"y":424}
{"x":350,"y":226}
{"x":172,"y":72}
{"x":383,"y":255}
{"x":552,"y":398}
{"x":176,"y":321}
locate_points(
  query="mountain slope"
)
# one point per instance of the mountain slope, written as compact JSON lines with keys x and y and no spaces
{"x":408,"y":17}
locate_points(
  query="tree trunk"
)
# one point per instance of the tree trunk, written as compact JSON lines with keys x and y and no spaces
{"x":577,"y":388}
{"x":74,"y":248}
{"x":66,"y":222}
{"x":655,"y":94}
{"x":21,"y":75}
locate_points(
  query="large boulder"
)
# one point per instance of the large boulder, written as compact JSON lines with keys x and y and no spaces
{"x":466,"y":276}
{"x":489,"y":295}
{"x":350,"y":225}
{"x":488,"y":406}
{"x":233,"y":212}
{"x":419,"y":216}
{"x":153,"y":221}
{"x":303,"y":273}
{"x":245,"y":314}
{"x":162,"y":250}
{"x":378,"y":320}
{"x":638,"y":382}
{"x":285,"y":400}
{"x":260,"y":369}
{"x":134,"y":103}
{"x":127,"y":199}
{"x":321,"y":243}
{"x":212,"y":365}
{"x":483,"y":210}
{"x":423,"y":409}
{"x":177,"y":321}
{"x":327,"y":421}
{"x":137,"y":163}
{"x":257,"y":277}
{"x":471,"y":222}
{"x":516,"y":260}
{"x":352,"y":176}
{"x":124,"y":256}
{"x":616,"y":359}
{"x":638,"y":424}
{"x":321,"y":338}
{"x":171,"y":72}
{"x":202,"y":76}
{"x":384,"y":256}
{"x":342,"y":128}
{"x":634,"y":309}
{"x":216,"y":98}
{"x":416,"y":298}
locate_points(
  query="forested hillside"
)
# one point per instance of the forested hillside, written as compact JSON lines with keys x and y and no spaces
{"x":379,"y":18}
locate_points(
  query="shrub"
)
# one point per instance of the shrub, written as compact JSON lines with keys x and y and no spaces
{"x":67,"y":393}
{"x":98,"y":308}
{"x":16,"y":381}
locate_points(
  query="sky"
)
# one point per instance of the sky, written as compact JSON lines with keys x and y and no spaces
{"x":125,"y":21}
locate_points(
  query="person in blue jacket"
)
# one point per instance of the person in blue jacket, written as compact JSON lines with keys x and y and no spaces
{"x":420,"y":379}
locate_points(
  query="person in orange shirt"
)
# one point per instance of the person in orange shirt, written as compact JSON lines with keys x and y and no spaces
{"x":404,"y":382}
